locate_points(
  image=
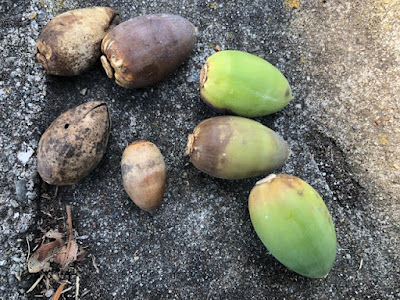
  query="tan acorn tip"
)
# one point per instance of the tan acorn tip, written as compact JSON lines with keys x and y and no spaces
{"x":189,"y":145}
{"x":107,"y":67}
{"x":203,"y":75}
{"x":266,"y":179}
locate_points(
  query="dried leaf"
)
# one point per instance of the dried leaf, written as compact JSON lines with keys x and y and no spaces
{"x":66,"y":256}
{"x":81,"y":255}
{"x":56,"y":251}
{"x":41,"y":258}
{"x":52,"y":234}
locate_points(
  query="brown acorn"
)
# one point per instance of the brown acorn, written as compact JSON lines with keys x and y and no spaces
{"x":74,"y":143}
{"x":144,"y":174}
{"x":70,"y":43}
{"x":144,"y":50}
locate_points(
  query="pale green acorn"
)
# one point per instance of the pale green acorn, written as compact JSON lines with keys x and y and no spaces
{"x":292,"y":221}
{"x":232,"y":147}
{"x":244,"y":84}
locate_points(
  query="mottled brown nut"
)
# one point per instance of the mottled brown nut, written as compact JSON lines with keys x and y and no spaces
{"x":144,"y":174}
{"x":70,"y":43}
{"x":74,"y":144}
{"x":144,"y":50}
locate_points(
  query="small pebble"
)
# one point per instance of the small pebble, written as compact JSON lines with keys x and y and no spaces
{"x":12,"y":280}
{"x":49,"y":293}
{"x":25,"y":284}
{"x":10,"y":59}
{"x":16,"y":259}
{"x":193,"y":78}
{"x":20,"y":189}
{"x":24,"y":156}
{"x":14,"y":203}
{"x":41,"y":16}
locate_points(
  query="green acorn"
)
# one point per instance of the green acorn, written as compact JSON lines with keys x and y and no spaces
{"x":292,"y":221}
{"x":232,"y":147}
{"x":244,"y":84}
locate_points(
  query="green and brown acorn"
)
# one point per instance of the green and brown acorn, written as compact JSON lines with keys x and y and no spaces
{"x":232,"y":147}
{"x":293,"y":222}
{"x":243,"y":84}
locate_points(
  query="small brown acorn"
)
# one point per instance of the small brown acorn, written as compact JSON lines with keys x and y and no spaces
{"x":144,"y":174}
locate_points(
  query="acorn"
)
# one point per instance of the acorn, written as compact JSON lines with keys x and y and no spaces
{"x":70,"y":43}
{"x":293,"y":222}
{"x":243,"y":84}
{"x":232,"y":147}
{"x":74,"y":143}
{"x":144,"y":174}
{"x":144,"y":50}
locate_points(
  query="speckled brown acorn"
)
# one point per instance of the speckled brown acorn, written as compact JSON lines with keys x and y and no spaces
{"x":70,"y":43}
{"x":232,"y":147}
{"x":144,"y":174}
{"x":144,"y":50}
{"x":73,"y":145}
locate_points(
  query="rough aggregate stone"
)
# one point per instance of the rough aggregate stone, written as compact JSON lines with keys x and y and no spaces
{"x":342,"y":59}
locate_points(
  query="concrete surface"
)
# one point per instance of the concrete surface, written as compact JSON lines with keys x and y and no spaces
{"x":342,"y":60}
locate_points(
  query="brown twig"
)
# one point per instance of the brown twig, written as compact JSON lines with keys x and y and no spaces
{"x":70,"y":229}
{"x":57,"y":294}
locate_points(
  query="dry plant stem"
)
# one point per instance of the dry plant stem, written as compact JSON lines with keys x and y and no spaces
{"x":70,"y":229}
{"x":47,"y":283}
{"x":77,"y":288}
{"x":35,"y":284}
{"x":57,"y":294}
{"x":67,"y":290}
{"x":95,"y":265}
{"x":29,"y":249}
{"x":56,"y":192}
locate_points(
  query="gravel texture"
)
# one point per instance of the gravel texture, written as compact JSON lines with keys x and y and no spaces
{"x":342,"y":59}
